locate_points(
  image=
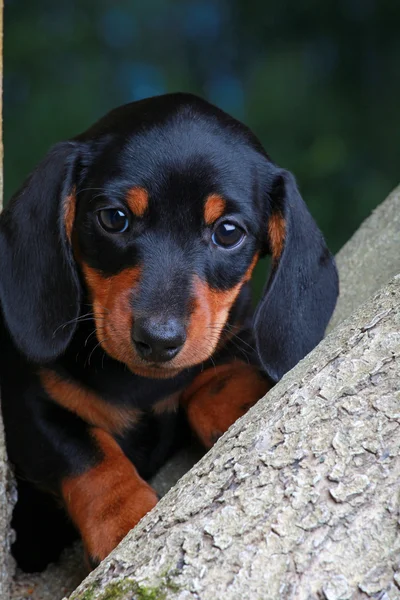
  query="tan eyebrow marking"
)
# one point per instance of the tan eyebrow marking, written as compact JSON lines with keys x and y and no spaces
{"x":214,"y":208}
{"x":138,"y":201}
{"x":277,"y":233}
{"x":69,"y":213}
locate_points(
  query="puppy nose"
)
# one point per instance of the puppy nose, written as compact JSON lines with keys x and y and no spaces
{"x":158,"y":341}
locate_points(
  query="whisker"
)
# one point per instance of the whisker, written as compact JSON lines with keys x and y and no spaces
{"x":229,"y":329}
{"x":96,"y":346}
{"x":213,"y":362}
{"x":103,"y":191}
{"x":92,"y":189}
{"x":104,"y":308}
{"x":242,"y":351}
{"x":242,"y":341}
{"x":92,"y":333}
{"x":86,"y":317}
{"x":237,"y":346}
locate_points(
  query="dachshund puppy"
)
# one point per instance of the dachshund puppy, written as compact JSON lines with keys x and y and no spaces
{"x":126,"y":310}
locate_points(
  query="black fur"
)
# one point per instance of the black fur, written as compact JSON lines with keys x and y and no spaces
{"x":301,"y":293}
{"x":39,"y":289}
{"x":180,"y":149}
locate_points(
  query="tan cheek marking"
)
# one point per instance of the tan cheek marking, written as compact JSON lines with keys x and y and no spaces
{"x":138,"y":201}
{"x":209,"y":317}
{"x":111,"y":299}
{"x":214,"y":208}
{"x":107,"y":501}
{"x":69,"y":214}
{"x":276,"y":233}
{"x":249,"y":272}
{"x":87,"y":405}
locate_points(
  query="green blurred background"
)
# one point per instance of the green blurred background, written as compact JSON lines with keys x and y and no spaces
{"x":318,"y":81}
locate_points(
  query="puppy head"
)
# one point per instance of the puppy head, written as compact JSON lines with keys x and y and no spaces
{"x":168,"y":204}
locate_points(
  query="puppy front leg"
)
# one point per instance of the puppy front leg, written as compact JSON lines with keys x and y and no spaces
{"x":220,"y":395}
{"x":106,"y":501}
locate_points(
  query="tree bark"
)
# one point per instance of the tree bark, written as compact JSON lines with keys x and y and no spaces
{"x":370,"y":258}
{"x":298,"y":500}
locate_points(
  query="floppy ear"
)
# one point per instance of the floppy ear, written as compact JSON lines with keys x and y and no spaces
{"x":39,"y":287}
{"x":301,"y":293}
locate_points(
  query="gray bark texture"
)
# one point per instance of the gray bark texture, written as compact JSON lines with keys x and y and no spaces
{"x":370,"y":258}
{"x":7,"y":500}
{"x":299,"y":500}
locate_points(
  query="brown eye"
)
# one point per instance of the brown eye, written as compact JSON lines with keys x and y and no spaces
{"x":228,"y":235}
{"x":113,"y":220}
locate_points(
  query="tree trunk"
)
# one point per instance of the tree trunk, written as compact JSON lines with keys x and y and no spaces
{"x":299,"y":499}
{"x":370,"y":258}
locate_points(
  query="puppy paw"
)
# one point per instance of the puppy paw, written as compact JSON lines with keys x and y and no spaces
{"x":115,"y":517}
{"x":220,"y":396}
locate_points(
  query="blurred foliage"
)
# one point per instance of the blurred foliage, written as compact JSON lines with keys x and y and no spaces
{"x":319,"y":82}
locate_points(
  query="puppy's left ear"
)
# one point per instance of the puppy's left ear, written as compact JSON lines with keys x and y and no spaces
{"x":301,"y":293}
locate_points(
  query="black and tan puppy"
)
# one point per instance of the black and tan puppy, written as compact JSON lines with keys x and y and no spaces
{"x":125,"y":266}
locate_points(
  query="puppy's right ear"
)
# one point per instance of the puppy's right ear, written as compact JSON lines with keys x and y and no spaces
{"x":39,"y":286}
{"x":301,"y":293}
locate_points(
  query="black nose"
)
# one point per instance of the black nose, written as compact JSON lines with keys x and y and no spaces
{"x":158,"y":341}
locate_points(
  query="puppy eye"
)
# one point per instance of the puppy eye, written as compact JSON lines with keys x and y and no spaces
{"x":228,"y":235}
{"x":113,"y":220}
